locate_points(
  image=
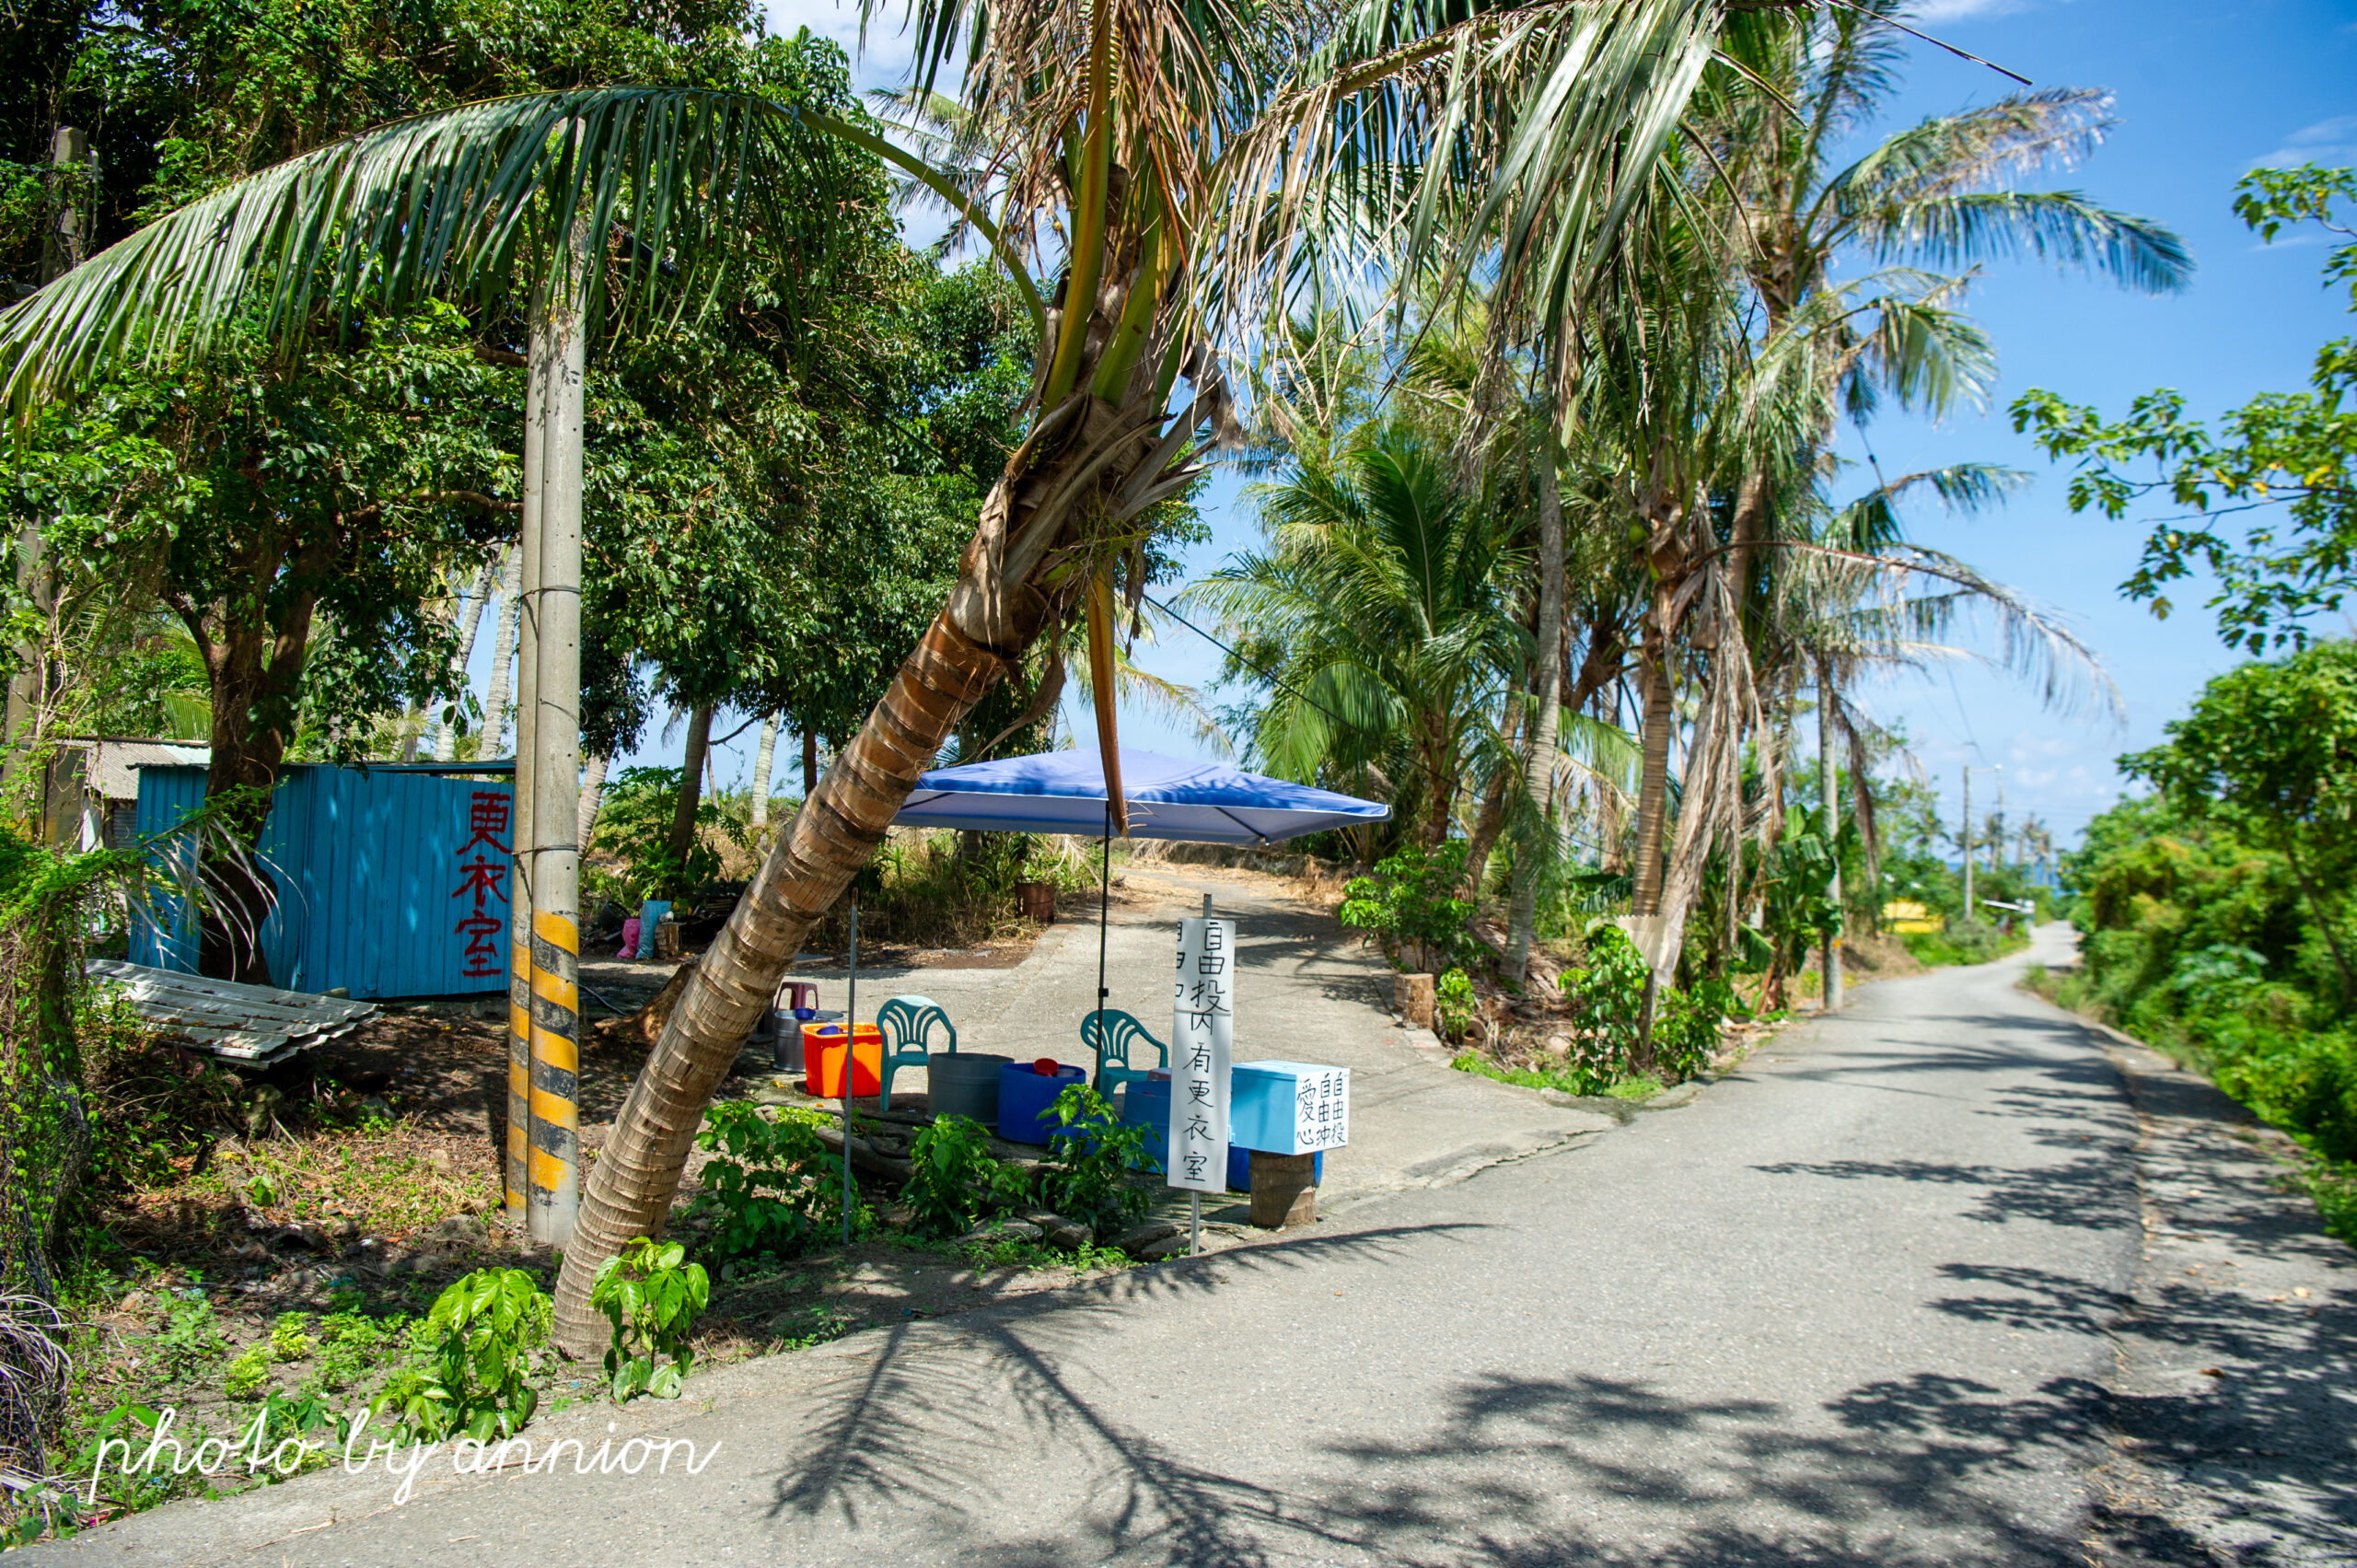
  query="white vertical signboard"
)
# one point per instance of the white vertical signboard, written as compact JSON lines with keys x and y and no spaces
{"x":1203,"y":1024}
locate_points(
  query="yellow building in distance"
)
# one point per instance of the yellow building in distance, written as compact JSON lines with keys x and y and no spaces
{"x":1907,"y":917}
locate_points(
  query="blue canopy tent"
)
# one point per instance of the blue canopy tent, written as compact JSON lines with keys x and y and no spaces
{"x":1064,"y":792}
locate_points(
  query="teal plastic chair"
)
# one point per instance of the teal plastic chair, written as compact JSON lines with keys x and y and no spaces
{"x":1121,"y":1034}
{"x":907,"y":1024}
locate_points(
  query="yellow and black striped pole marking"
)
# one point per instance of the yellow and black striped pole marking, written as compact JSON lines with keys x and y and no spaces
{"x":519,"y":1054}
{"x":555,"y":1153}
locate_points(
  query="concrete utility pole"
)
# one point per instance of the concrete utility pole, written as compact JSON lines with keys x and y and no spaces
{"x":66,"y":240}
{"x":559,"y":356}
{"x":519,"y":885}
{"x":1828,"y":797}
{"x":64,"y":245}
{"x":1971,"y":908}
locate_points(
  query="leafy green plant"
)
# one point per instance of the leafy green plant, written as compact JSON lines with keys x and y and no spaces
{"x":288,"y":1342}
{"x":652,"y":1296}
{"x":191,"y":1337}
{"x":775,"y":1188}
{"x":955,"y":1180}
{"x":249,"y":1373}
{"x":634,"y":827}
{"x":475,"y":1377}
{"x":350,"y":1345}
{"x":1453,"y":1000}
{"x":1089,"y":1178}
{"x":1608,"y":995}
{"x":1410,"y":903}
{"x":1687,"y":1025}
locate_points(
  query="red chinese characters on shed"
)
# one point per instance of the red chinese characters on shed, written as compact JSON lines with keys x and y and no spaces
{"x":483,"y":862}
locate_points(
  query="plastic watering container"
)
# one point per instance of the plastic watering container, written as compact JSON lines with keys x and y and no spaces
{"x":822,"y":1056}
{"x":965,"y":1083}
{"x":1024,"y":1096}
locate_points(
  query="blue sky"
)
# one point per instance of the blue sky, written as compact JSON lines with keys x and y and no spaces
{"x":2203,"y":91}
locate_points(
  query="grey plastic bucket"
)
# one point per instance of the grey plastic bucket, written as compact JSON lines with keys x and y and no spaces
{"x":964,"y":1082}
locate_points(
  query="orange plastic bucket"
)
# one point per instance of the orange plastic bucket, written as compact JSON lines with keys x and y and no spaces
{"x":822,"y":1058}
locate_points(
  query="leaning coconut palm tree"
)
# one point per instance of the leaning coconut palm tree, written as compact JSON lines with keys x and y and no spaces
{"x":1169,"y":170}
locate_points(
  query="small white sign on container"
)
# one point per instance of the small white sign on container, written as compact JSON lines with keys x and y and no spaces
{"x":1321,"y":1109}
{"x":1204,"y":1026}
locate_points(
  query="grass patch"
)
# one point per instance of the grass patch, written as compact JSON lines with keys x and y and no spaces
{"x":1964,"y":945}
{"x":1641,"y":1087}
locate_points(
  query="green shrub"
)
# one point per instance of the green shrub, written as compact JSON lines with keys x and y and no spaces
{"x":191,"y":1337}
{"x":1410,"y":903}
{"x":653,"y":1297}
{"x":474,"y":1378}
{"x":955,"y":1179}
{"x":1975,"y":942}
{"x":634,"y":827}
{"x":1453,"y":1000}
{"x":287,"y":1340}
{"x":351,"y":1346}
{"x":776,"y":1188}
{"x":1687,"y":1025}
{"x":249,"y":1373}
{"x":1089,"y":1178}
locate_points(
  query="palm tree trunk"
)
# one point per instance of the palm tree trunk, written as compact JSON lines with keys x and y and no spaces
{"x":503,"y":650}
{"x":809,"y":762}
{"x":1540,"y":767}
{"x":593,"y":799}
{"x":1491,"y":820}
{"x":683,"y":811}
{"x":764,"y":757}
{"x":1006,"y":595}
{"x":1653,"y":788}
{"x":445,"y":743}
{"x":1829,"y":803}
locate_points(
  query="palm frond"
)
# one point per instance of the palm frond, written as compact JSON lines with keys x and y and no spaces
{"x":471,"y":202}
{"x":2059,"y":226}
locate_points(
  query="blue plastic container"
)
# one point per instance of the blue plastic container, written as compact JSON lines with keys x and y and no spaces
{"x":1239,"y":1167}
{"x":1147,"y":1103}
{"x":1024,"y":1098}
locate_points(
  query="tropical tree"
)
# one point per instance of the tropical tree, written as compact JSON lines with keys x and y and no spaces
{"x":1191,"y":161}
{"x":1388,"y":596}
{"x":2295,"y":452}
{"x":2269,"y":750}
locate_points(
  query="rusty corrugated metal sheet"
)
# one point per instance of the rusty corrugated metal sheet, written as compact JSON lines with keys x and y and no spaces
{"x":252,"y":1025}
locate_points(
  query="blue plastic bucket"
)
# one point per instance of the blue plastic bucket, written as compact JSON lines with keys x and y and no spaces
{"x":1147,"y":1103}
{"x":1024,"y":1098}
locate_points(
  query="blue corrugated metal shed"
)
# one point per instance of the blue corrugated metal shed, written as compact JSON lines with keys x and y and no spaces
{"x":392,"y":881}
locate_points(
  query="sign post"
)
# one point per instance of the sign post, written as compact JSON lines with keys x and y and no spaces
{"x":1203,"y":1024}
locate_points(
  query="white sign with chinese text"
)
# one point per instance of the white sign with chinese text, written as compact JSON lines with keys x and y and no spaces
{"x":1322,"y":1108}
{"x":1203,"y":1024}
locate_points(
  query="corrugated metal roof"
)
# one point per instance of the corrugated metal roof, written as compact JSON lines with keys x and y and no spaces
{"x":252,"y":1025}
{"x":116,"y":763}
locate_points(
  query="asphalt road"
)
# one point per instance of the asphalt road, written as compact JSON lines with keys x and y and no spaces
{"x":1846,"y":1307}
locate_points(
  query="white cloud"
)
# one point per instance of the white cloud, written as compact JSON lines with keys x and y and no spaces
{"x":886,"y":59}
{"x":2332,"y":143}
{"x":1960,"y":10}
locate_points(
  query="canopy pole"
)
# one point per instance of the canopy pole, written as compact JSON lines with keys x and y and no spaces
{"x":1104,"y":916}
{"x":851,"y":1054}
